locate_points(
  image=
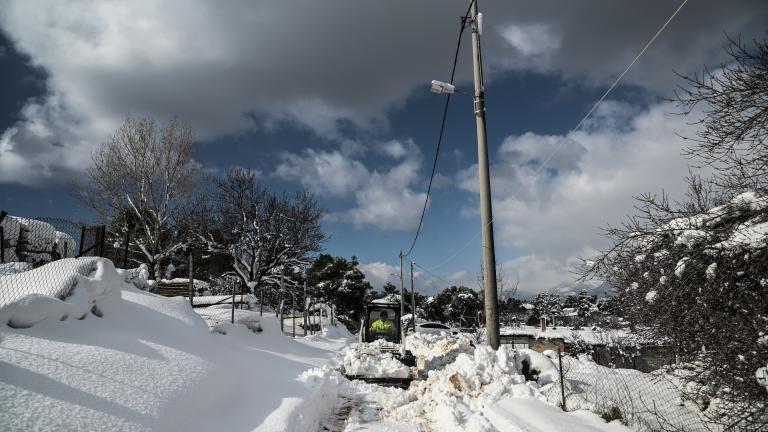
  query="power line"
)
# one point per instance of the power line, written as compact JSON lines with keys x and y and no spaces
{"x":442,"y":130}
{"x":435,"y":276}
{"x":578,"y":126}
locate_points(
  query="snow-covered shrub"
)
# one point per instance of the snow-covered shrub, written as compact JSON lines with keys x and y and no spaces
{"x":700,"y":288}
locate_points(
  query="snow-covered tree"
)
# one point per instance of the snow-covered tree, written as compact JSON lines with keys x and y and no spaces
{"x":340,"y":282}
{"x":457,"y":305}
{"x":145,"y":176}
{"x":583,"y":303}
{"x":548,"y":305}
{"x":261,"y":232}
{"x":694,"y":273}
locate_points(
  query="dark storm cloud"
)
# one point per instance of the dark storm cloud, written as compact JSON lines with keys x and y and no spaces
{"x":224,"y":64}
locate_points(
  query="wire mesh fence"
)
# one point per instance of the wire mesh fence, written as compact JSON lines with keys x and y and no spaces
{"x":643,"y":401}
{"x":37,"y":256}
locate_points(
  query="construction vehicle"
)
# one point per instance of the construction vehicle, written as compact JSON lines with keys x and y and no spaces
{"x":381,"y":321}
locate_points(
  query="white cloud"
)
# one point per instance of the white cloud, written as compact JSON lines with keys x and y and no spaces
{"x":555,"y":217}
{"x":535,"y":45}
{"x":231,"y":66}
{"x":383,"y":198}
{"x":378,"y":273}
{"x":323,"y":172}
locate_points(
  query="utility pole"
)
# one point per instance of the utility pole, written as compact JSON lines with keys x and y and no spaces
{"x":402,"y":290}
{"x":413,"y":302}
{"x":486,"y":212}
{"x":402,"y":303}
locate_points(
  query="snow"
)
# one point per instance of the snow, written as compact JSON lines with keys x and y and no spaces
{"x":711,"y":270}
{"x":454,"y":398}
{"x":761,"y":374}
{"x":680,"y":266}
{"x":645,"y":399}
{"x":650,"y":296}
{"x":368,"y":360}
{"x":100,"y":354}
{"x":146,"y":362}
{"x":249,"y":299}
{"x":526,"y":414}
{"x":752,"y":233}
{"x":41,"y":236}
{"x":389,"y":298}
{"x":55,"y":279}
{"x":198,"y":284}
{"x":14,"y":267}
{"x":593,"y":335}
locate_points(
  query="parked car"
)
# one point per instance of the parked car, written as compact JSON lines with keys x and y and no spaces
{"x":435,"y":328}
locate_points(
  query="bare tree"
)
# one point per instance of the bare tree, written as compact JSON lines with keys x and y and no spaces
{"x":506,"y":288}
{"x":260,"y":231}
{"x":733,"y":133}
{"x":145,"y":175}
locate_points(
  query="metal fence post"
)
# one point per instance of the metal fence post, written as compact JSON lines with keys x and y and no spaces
{"x":306,"y":308}
{"x":3,"y":214}
{"x":102,"y":240}
{"x":191,"y":280}
{"x":234,"y":293}
{"x":82,"y":240}
{"x":293,"y":313}
{"x":562,"y":377}
{"x":125,"y":247}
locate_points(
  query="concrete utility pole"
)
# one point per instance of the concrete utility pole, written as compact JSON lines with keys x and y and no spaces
{"x":402,"y":290}
{"x":402,"y":302}
{"x":413,"y":302}
{"x":486,"y":212}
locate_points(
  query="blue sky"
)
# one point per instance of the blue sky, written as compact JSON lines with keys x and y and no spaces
{"x":333,"y":97}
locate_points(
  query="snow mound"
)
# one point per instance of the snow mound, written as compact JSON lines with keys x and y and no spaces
{"x":435,"y":351}
{"x":368,"y":359}
{"x":453,"y":398}
{"x":69,"y":287}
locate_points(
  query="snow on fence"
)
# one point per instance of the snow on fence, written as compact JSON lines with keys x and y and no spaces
{"x":36,"y":255}
{"x":644,"y":401}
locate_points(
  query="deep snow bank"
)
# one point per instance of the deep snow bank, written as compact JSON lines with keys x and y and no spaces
{"x":145,"y":362}
{"x":65,"y":288}
{"x":469,"y":389}
{"x":453,"y":398}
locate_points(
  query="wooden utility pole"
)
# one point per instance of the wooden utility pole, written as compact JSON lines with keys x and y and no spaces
{"x":486,"y":212}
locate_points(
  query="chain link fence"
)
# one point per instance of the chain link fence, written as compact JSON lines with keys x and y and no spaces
{"x":37,"y":256}
{"x":643,"y":401}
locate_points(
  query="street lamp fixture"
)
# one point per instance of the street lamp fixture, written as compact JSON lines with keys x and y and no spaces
{"x":441,"y":87}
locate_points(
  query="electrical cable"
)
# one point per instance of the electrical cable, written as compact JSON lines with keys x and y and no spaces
{"x":578,"y":126}
{"x":442,"y":130}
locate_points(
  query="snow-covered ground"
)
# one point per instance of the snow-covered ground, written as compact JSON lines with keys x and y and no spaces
{"x":647,"y":401}
{"x":461,"y":388}
{"x":151,"y":363}
{"x":105,"y":355}
{"x":568,"y":334}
